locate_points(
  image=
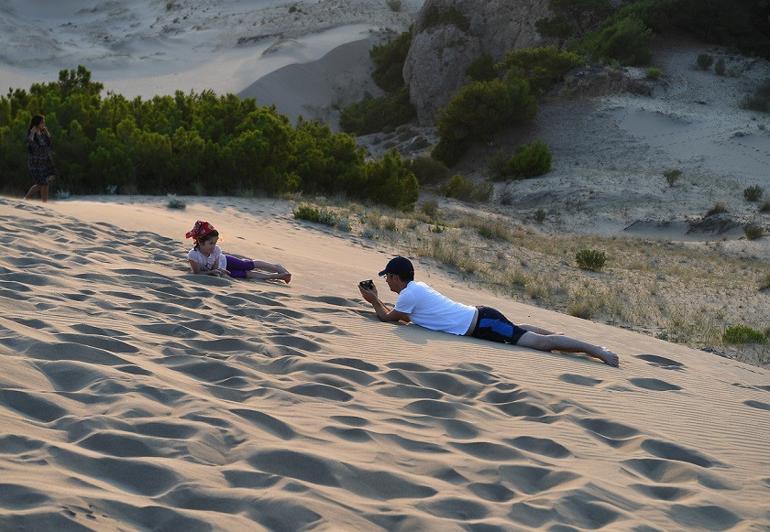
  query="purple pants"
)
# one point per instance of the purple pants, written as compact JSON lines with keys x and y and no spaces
{"x":238,"y":268}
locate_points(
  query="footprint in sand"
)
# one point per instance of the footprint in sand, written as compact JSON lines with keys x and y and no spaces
{"x":580,"y":380}
{"x":609,"y":432}
{"x":672,"y":451}
{"x":655,"y":385}
{"x":707,"y":517}
{"x":757,"y":404}
{"x":662,"y":362}
{"x":542,"y":446}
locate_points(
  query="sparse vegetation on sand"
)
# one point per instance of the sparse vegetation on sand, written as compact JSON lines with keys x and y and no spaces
{"x":530,"y":160}
{"x":753,"y":193}
{"x":752,"y":231}
{"x":175,"y":203}
{"x":705,"y":61}
{"x":759,"y":100}
{"x":718,"y":208}
{"x":462,"y":188}
{"x":672,"y":176}
{"x":743,"y":334}
{"x":590,"y":259}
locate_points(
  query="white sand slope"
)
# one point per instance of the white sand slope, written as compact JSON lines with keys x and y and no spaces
{"x":136,"y":396}
{"x":316,"y":90}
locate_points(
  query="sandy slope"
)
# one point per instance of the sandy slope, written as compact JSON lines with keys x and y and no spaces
{"x":134,"y":396}
{"x":151,"y":47}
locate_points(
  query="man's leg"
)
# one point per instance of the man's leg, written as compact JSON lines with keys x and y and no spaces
{"x":44,"y":193}
{"x":551,"y":342}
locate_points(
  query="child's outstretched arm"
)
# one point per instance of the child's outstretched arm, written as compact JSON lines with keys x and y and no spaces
{"x":196,"y":269}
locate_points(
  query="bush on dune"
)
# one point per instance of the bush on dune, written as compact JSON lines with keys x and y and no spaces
{"x":479,"y":110}
{"x":541,"y":67}
{"x":388,"y":59}
{"x":626,"y":40}
{"x":371,"y":115}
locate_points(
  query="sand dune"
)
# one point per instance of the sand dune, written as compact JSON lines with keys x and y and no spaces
{"x":136,"y":396}
{"x":145,"y":48}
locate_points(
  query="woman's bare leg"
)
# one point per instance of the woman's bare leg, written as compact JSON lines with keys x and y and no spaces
{"x":32,"y":190}
{"x":551,"y":342}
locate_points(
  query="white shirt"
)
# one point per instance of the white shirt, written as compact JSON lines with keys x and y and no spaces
{"x":432,"y":310}
{"x":216,"y":260}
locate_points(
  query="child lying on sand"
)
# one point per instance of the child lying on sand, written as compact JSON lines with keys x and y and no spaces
{"x":207,"y":258}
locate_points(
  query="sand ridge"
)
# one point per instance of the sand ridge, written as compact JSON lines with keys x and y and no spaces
{"x":136,"y":395}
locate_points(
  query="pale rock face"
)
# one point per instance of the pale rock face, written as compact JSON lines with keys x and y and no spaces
{"x":440,"y":54}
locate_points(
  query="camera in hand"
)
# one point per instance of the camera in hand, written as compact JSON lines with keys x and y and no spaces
{"x":368,"y":284}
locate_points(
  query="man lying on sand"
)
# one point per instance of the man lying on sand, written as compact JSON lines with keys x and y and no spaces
{"x":419,"y":303}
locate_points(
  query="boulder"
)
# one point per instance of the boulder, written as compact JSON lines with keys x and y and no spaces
{"x":452,"y":34}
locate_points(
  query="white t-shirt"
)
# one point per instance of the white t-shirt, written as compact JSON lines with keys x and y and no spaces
{"x":216,"y":260}
{"x":432,"y":310}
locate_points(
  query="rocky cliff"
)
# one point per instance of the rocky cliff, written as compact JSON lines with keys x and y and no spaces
{"x":451,"y":34}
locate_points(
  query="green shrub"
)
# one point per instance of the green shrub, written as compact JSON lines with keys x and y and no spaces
{"x":739,"y":23}
{"x":462,"y":188}
{"x":590,"y":259}
{"x":753,"y":193}
{"x":428,"y":171}
{"x":765,"y":208}
{"x":541,"y":67}
{"x":719,"y":68}
{"x":705,"y":61}
{"x":429,"y":208}
{"x":478,"y":110}
{"x":186,"y":143}
{"x":372,"y":115}
{"x":438,"y":15}
{"x":626,"y":40}
{"x":313,"y":214}
{"x":759,"y":100}
{"x":389,"y":181}
{"x":654,"y":73}
{"x":175,"y":203}
{"x":672,"y":176}
{"x":530,"y":160}
{"x":389,"y":61}
{"x":497,"y":165}
{"x":539,"y":216}
{"x":752,"y":232}
{"x":718,"y":208}
{"x":742,"y":334}
{"x":482,"y":69}
{"x":573,"y":18}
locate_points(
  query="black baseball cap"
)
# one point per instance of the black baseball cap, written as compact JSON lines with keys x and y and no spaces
{"x":398,"y":265}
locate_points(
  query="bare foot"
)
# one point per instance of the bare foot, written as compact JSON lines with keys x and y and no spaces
{"x":286,"y":278}
{"x":608,"y":357}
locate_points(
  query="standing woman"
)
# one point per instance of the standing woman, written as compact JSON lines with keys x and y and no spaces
{"x":40,"y":161}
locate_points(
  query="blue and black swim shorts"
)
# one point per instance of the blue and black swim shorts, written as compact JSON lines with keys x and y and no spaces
{"x":492,"y":325}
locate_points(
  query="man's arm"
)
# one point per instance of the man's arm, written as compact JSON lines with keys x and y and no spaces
{"x":383,"y":313}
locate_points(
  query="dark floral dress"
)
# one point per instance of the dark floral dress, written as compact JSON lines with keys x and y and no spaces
{"x":40,"y":162}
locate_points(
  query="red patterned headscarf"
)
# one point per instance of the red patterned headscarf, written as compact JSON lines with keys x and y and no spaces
{"x":200,"y":230}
